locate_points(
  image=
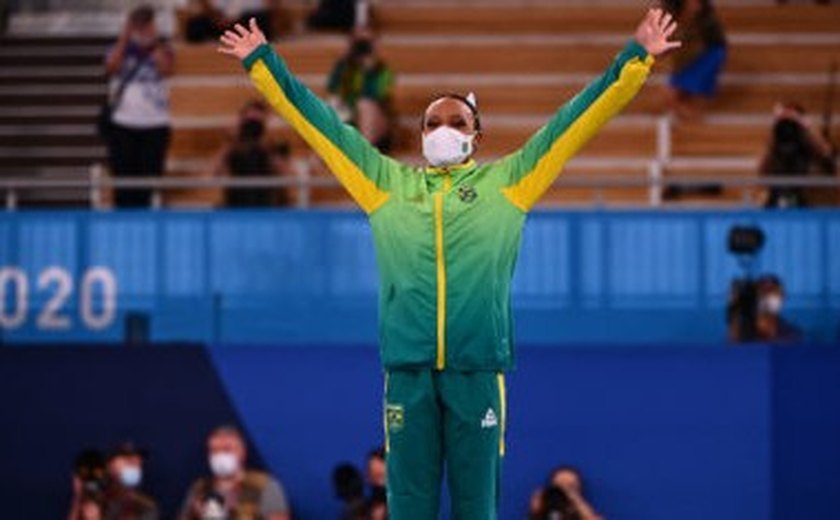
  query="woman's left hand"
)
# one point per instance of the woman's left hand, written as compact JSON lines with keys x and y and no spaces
{"x":241,"y":42}
{"x":654,"y":31}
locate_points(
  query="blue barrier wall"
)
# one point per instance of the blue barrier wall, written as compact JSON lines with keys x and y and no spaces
{"x":310,"y":277}
{"x":660,"y":433}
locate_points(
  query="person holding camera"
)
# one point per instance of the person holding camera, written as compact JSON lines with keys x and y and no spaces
{"x":770,"y":325}
{"x":233,"y":492}
{"x":360,"y":87}
{"x":754,"y":313}
{"x":111,"y":492}
{"x":375,"y":473}
{"x":138,"y":126}
{"x":795,"y":149}
{"x":252,"y":153}
{"x":562,"y":498}
{"x":349,"y":486}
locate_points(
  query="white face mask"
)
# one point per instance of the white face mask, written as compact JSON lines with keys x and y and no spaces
{"x":772,"y":304}
{"x":224,"y":464}
{"x":130,"y":476}
{"x":446,"y":146}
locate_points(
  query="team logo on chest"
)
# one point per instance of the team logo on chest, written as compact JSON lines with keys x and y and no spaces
{"x":467,"y":193}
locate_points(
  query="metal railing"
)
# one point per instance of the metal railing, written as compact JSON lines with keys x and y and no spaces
{"x":655,"y":178}
{"x":655,"y":181}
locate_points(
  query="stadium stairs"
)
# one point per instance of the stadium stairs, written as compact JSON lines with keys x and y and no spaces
{"x":50,"y":91}
{"x":523,"y":61}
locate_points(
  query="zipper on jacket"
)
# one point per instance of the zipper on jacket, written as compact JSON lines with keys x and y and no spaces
{"x":440,"y":255}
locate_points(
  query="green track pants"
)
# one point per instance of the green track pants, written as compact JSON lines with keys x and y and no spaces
{"x":432,"y":419}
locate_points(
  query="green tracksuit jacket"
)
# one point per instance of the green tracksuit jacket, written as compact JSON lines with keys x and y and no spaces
{"x":447,"y":238}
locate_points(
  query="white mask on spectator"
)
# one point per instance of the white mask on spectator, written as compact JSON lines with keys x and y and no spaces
{"x":446,"y":146}
{"x":224,"y":464}
{"x":130,"y":476}
{"x":772,"y":304}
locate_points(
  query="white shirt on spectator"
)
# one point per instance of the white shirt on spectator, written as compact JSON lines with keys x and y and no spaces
{"x":145,"y":100}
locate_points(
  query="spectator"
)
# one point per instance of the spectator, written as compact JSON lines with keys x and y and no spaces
{"x":795,"y":149}
{"x":375,"y":474}
{"x":350,"y":489}
{"x":360,"y":88}
{"x":90,"y":508}
{"x":561,"y":498}
{"x":376,"y":478}
{"x":118,"y":497}
{"x":139,"y":132}
{"x":771,"y":327}
{"x":89,"y":480}
{"x":251,"y":153}
{"x":233,"y":491}
{"x":697,"y":64}
{"x":208,"y":19}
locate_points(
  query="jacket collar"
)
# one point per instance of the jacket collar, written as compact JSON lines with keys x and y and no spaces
{"x":457,"y":168}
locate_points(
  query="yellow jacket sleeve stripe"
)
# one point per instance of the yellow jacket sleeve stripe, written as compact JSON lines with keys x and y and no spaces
{"x":544,"y":156}
{"x":356,"y":164}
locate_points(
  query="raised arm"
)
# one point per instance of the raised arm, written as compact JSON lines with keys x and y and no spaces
{"x":535,"y":166}
{"x":360,"y":168}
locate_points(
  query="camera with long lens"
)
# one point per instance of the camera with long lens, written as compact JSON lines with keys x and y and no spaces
{"x":557,"y":505}
{"x":745,"y":242}
{"x":90,"y":470}
{"x":213,"y":506}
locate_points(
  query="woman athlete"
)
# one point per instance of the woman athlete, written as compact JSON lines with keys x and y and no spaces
{"x":446,"y":237}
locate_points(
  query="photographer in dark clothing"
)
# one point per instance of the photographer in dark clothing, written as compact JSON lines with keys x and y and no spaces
{"x":755,"y":313}
{"x":349,"y":486}
{"x":795,"y":149}
{"x":561,"y":498}
{"x":112,"y":494}
{"x":771,"y":327}
{"x":252,"y":153}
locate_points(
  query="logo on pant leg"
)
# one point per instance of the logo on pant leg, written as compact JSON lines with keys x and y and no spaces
{"x":490,"y":420}
{"x":394,"y":417}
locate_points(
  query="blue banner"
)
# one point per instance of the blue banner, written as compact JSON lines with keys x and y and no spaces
{"x":290,"y":277}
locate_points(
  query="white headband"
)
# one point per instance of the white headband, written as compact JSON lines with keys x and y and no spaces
{"x":472,"y":100}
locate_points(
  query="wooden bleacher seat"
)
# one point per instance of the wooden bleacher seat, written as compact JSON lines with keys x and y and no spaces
{"x":565,"y":47}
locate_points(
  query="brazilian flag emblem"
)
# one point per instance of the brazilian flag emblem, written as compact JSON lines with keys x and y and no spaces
{"x":394,"y":417}
{"x":466,"y":193}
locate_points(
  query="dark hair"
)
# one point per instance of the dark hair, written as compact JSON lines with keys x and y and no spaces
{"x":376,"y":453}
{"x":790,"y":151}
{"x":254,"y":104}
{"x":227,"y":430}
{"x":462,"y":99}
{"x":571,"y":469}
{"x":769,"y":281}
{"x":142,"y":15}
{"x":676,"y":7}
{"x":347,"y":482}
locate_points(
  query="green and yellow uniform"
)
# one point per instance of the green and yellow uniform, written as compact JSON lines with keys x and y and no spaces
{"x":446,"y":244}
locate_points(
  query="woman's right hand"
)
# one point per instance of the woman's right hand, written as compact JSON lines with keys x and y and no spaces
{"x":242,"y":42}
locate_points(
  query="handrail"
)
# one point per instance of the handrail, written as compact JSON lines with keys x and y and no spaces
{"x":656,"y":180}
{"x":574,"y":181}
{"x":159,"y":184}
